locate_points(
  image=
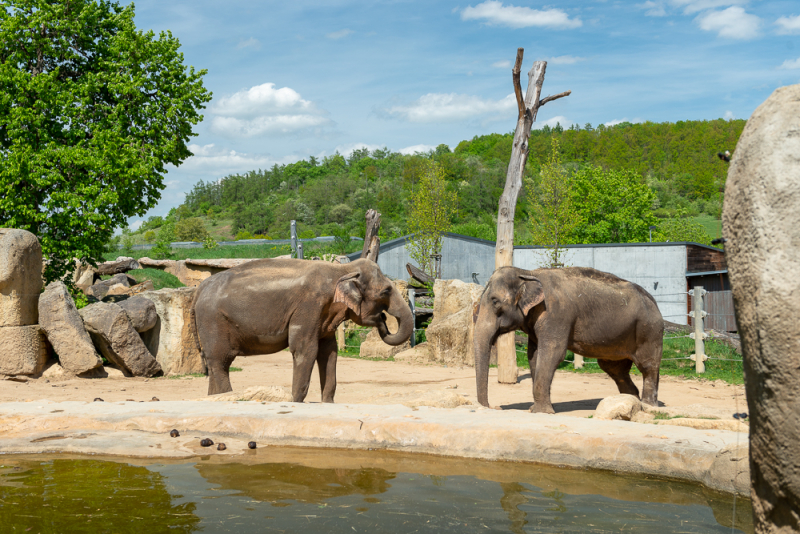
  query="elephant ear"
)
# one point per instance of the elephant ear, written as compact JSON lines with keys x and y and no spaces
{"x":348,"y":291}
{"x":530,"y":293}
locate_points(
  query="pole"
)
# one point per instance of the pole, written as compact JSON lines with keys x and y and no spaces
{"x":293,"y":230}
{"x":699,"y":332}
{"x":578,"y":363}
{"x":300,"y":250}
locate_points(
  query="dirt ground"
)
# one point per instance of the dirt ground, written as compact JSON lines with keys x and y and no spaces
{"x":372,"y":382}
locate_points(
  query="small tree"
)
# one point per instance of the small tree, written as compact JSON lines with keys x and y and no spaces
{"x":552,"y":216}
{"x":191,"y":229}
{"x":92,"y":112}
{"x":432,"y":210}
{"x":681,"y":228}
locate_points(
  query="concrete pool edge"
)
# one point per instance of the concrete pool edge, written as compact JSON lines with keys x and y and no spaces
{"x":717,"y":459}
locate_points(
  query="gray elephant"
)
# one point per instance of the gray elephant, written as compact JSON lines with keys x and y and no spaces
{"x":265,"y":306}
{"x":590,"y":312}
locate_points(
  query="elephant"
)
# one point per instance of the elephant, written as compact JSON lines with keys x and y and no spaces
{"x":590,"y":312}
{"x":265,"y":306}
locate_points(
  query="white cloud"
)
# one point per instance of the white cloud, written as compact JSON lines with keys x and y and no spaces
{"x":791,"y":64}
{"x":347,"y":150}
{"x":501,"y":64}
{"x":494,"y":12}
{"x":654,"y":9}
{"x":558,"y":119}
{"x":265,"y":110}
{"x":435,"y":107}
{"x":620,"y":121}
{"x":733,"y":23}
{"x":413,"y":149}
{"x":209,"y":159}
{"x":135,"y":225}
{"x":564,"y":60}
{"x":339,"y":34}
{"x":787,"y":25}
{"x":729,"y":115}
{"x":249,"y":43}
{"x":695,"y":6}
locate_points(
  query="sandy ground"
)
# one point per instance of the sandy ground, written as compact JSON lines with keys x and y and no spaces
{"x":371,"y":382}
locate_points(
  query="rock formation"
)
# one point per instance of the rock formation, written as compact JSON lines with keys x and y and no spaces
{"x":761,"y":225}
{"x":173,"y":340}
{"x":23,"y":348}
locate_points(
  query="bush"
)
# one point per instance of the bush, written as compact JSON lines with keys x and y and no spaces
{"x":474,"y":229}
{"x":254,"y":218}
{"x":191,"y":229}
{"x":244,"y":234}
{"x":149,"y":236}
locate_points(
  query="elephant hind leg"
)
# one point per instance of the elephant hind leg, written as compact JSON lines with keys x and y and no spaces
{"x":620,"y":372}
{"x":219,"y":356}
{"x":648,"y":360}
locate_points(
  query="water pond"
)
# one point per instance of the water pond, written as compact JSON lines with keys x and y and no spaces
{"x":310,"y":490}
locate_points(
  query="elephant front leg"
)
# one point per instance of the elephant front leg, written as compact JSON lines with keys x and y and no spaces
{"x":305,"y":348}
{"x":326,"y":365}
{"x":547,"y":356}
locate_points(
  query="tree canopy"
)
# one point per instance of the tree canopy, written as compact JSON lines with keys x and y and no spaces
{"x":91,"y":112}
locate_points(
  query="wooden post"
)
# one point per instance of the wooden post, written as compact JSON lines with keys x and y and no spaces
{"x":293,"y":234}
{"x":504,"y":250}
{"x":340,"y":337}
{"x":578,"y":363}
{"x":300,"y":250}
{"x":698,"y":315}
{"x":412,"y":303}
{"x":372,"y":242}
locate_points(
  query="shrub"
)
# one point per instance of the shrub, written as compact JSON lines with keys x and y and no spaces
{"x":191,"y":229}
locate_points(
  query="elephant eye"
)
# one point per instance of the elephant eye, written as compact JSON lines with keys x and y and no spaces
{"x":495,"y":302}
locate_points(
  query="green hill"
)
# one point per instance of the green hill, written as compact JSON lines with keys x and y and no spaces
{"x":676,"y":160}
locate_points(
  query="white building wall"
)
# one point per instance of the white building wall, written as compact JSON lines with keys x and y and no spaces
{"x":660,"y":270}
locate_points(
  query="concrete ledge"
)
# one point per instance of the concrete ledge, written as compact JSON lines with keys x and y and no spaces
{"x":717,"y":459}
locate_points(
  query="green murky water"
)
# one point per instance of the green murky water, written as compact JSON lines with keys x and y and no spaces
{"x":290,"y":490}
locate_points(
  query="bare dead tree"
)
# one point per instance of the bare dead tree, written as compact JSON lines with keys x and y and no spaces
{"x":504,"y":250}
{"x":372,"y":242}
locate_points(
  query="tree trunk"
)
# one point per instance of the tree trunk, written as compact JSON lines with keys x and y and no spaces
{"x":372,"y":242}
{"x":504,"y":251}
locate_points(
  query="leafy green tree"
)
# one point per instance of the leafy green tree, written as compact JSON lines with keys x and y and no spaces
{"x":681,"y":229}
{"x":612,"y":206}
{"x":432,"y":210}
{"x":191,"y":229}
{"x":255,"y":218}
{"x":553,"y":218}
{"x":91,"y":112}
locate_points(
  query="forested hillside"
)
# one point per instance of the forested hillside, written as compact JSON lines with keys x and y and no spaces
{"x":676,"y":161}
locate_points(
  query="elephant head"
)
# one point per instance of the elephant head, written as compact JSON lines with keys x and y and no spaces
{"x":509,"y":296}
{"x":367,"y":293}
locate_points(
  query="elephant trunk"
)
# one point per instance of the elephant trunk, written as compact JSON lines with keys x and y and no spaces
{"x":482,"y":345}
{"x":405,"y":321}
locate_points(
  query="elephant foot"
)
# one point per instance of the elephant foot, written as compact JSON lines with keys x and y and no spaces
{"x":213,"y":389}
{"x":541,"y":408}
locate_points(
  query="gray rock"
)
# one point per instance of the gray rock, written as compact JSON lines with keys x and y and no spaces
{"x":122,"y":264}
{"x":761,"y":223}
{"x":101,"y":289}
{"x":20,"y":277}
{"x":64,"y":328}
{"x":112,"y":333}
{"x":141,"y":312}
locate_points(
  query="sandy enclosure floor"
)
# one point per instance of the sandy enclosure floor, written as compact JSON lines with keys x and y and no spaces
{"x":371,"y":382}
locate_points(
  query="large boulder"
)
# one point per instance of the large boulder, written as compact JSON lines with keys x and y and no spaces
{"x":20,"y":277}
{"x":123,"y":264}
{"x":450,"y":333}
{"x":373,"y":346}
{"x":23,"y":350}
{"x":112,"y":333}
{"x":141,"y":312}
{"x":761,"y":225}
{"x":173,"y":339}
{"x":64,"y":328}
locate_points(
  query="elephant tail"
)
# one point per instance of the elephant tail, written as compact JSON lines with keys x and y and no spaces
{"x":193,"y":329}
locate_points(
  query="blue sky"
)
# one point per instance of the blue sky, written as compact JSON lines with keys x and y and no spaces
{"x":293,"y":79}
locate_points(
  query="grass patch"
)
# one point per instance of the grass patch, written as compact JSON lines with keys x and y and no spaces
{"x":712,"y":226}
{"x":235,"y":369}
{"x":727,"y":367}
{"x":190,"y":375}
{"x":160,"y":279}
